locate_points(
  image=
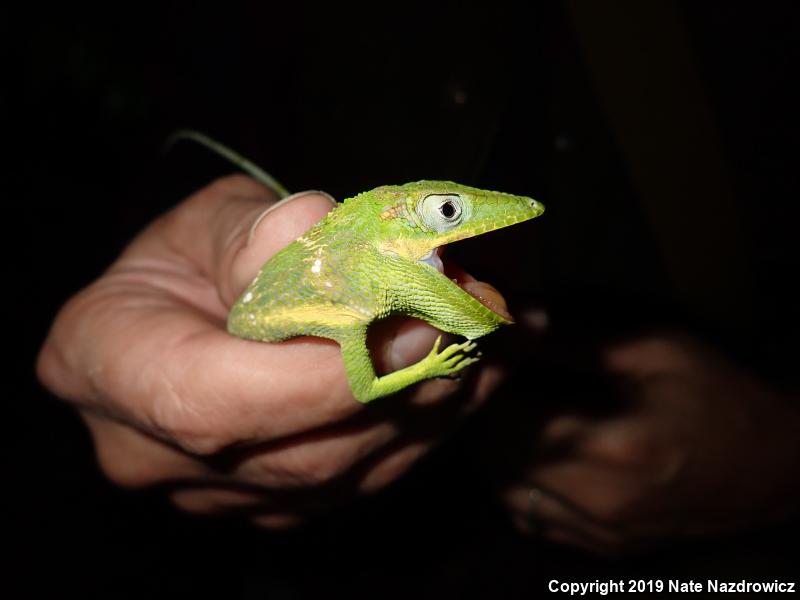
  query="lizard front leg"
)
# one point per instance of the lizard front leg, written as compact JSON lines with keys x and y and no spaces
{"x":367,"y":385}
{"x":422,"y":292}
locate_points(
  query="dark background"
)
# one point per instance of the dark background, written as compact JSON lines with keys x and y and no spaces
{"x":661,"y":136}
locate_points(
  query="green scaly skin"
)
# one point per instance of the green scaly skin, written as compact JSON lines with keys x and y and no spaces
{"x":374,"y":256}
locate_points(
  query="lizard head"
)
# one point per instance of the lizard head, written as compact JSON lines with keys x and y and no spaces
{"x":417,"y":219}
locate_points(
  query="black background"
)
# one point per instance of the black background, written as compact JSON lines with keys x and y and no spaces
{"x":498,"y":95}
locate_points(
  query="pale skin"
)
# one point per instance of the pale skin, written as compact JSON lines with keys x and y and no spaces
{"x":227,"y":424}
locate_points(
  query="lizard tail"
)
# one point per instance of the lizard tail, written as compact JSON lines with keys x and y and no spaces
{"x":236,"y":158}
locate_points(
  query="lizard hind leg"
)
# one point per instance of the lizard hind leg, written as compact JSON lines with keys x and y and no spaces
{"x":365,"y":383}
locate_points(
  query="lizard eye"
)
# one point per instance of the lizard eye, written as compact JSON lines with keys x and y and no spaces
{"x":441,"y":212}
{"x":448,"y":209}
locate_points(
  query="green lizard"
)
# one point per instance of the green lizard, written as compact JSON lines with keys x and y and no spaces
{"x":377,"y":254}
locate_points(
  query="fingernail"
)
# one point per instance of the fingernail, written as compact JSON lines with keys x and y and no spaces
{"x":280,"y":203}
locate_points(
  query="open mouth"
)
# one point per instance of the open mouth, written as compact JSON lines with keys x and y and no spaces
{"x":483,"y":292}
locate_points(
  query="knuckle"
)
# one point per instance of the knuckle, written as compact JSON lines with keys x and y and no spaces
{"x":128,"y":474}
{"x":126,"y":471}
{"x":639,"y":450}
{"x":195,"y":504}
{"x":298,"y":468}
{"x":192,"y":432}
{"x":47,"y":367}
{"x":314,"y":469}
{"x":634,"y":449}
{"x":126,"y":457}
{"x":59,"y":365}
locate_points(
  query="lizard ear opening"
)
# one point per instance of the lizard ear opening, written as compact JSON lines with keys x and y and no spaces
{"x":441,"y":212}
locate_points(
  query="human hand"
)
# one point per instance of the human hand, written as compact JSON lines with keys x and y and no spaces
{"x":690,"y":445}
{"x":225,"y":424}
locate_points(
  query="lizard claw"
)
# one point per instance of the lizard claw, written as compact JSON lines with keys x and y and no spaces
{"x":451,"y":360}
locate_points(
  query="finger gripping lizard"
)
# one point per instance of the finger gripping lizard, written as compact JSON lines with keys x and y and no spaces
{"x":374,"y":255}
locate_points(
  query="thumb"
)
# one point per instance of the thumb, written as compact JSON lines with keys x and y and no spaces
{"x":269,"y":231}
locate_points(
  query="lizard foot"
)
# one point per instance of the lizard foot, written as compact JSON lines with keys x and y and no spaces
{"x":449,"y":361}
